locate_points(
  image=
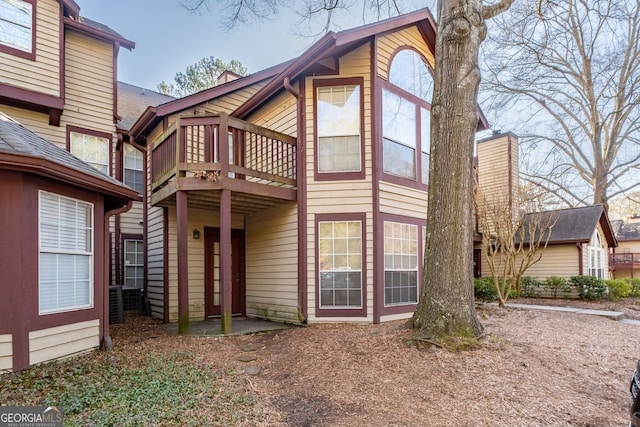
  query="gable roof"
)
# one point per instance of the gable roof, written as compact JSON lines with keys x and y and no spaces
{"x":22,"y":149}
{"x":574,"y":225}
{"x":133,"y":100}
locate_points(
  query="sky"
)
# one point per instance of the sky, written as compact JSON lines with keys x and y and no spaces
{"x":169,"y":38}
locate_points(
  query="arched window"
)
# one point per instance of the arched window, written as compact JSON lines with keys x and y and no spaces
{"x":410,"y":72}
{"x":406,"y":118}
{"x":596,"y":256}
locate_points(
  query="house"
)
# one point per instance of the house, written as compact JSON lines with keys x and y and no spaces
{"x":625,"y":259}
{"x":54,"y":210}
{"x":59,"y":81}
{"x":297,"y":193}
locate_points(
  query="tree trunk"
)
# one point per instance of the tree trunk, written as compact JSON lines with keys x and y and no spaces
{"x":446,"y":306}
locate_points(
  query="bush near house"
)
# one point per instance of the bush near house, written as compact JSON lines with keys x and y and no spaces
{"x":557,"y":286}
{"x":530,"y":287}
{"x":590,"y":288}
{"x":484,"y":289}
{"x":635,"y":288}
{"x":618,"y":288}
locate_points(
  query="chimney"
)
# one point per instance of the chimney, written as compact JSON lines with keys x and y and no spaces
{"x":227,"y":76}
{"x":498,"y":171}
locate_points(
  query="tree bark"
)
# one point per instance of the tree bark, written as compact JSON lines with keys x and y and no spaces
{"x":446,"y":306}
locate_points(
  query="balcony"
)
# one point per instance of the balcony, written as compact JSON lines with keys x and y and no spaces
{"x":624,"y":260}
{"x":257,"y":164}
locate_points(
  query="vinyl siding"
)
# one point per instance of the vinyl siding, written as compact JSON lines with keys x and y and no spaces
{"x":280,"y":115}
{"x":388,"y":44}
{"x":155,"y":261}
{"x":272,"y":264}
{"x":130,"y":220}
{"x":43,"y":74}
{"x":63,"y":341}
{"x":557,"y":260}
{"x":38,"y":123}
{"x":6,"y":352}
{"x":494,"y":171}
{"x":198,"y":219}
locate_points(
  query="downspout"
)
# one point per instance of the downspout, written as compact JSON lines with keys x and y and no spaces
{"x":107,"y":343}
{"x":301,"y":179}
{"x":580,"y":262}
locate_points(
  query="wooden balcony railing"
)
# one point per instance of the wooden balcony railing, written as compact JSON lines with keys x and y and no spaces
{"x":629,"y":260}
{"x":192,"y":146}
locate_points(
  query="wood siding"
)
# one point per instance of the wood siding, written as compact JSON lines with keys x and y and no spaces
{"x":388,"y":44}
{"x":404,"y":201}
{"x":6,"y":352}
{"x":43,"y":74}
{"x":498,"y":170}
{"x":272,"y":265}
{"x":198,"y":219}
{"x":63,"y":341}
{"x":347,"y":196}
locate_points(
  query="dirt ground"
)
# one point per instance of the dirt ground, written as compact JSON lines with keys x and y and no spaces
{"x":534,"y":368}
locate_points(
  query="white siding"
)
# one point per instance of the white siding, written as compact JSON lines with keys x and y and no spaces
{"x":63,"y":341}
{"x":271,"y":264}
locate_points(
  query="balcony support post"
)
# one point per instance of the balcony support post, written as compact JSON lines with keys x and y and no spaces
{"x":183,"y":262}
{"x":226,"y":275}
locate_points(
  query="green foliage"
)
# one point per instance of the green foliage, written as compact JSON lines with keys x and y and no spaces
{"x":530,"y":287}
{"x":618,"y":288}
{"x":200,"y":76}
{"x":484,"y":289}
{"x":558,"y":286}
{"x":635,"y":288}
{"x":589,"y":288}
{"x":118,"y":389}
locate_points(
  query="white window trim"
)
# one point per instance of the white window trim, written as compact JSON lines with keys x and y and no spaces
{"x":125,"y":265}
{"x":416,"y":269}
{"x":90,"y":254}
{"x":596,"y":251}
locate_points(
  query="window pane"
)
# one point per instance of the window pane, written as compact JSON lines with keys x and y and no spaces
{"x":425,"y":143}
{"x":340,"y":264}
{"x":66,"y":253}
{"x":410,"y":72}
{"x":133,"y":263}
{"x":398,"y":159}
{"x":401,"y":263}
{"x":133,"y":168}
{"x":398,"y":119}
{"x":91,"y":149}
{"x":16,"y":24}
{"x":338,"y":124}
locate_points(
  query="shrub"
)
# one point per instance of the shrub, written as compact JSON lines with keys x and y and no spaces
{"x":484,"y":289}
{"x":530,"y":287}
{"x":618,"y":288}
{"x":557,"y":285}
{"x":590,"y":288}
{"x":635,"y":288}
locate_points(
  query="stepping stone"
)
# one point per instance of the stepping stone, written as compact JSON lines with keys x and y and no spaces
{"x":251,"y":370}
{"x":249,"y":347}
{"x":246,"y":358}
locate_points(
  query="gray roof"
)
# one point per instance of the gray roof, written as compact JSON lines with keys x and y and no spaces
{"x":574,"y":224}
{"x":133,"y":100}
{"x":17,"y":139}
{"x":629,"y":231}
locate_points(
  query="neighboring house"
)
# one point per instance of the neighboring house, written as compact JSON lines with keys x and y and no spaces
{"x":53,"y":211}
{"x":625,"y":259}
{"x":579,"y":243}
{"x":59,"y":80}
{"x":297,"y":193}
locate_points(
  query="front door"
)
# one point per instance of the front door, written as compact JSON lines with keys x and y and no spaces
{"x":212,"y":272}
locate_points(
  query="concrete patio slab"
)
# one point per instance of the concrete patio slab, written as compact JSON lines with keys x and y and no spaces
{"x":238,"y":326}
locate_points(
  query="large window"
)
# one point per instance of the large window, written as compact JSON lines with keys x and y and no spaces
{"x":338,"y":120}
{"x":400,"y":263}
{"x":133,"y":263}
{"x":66,"y":254}
{"x":92,"y":148}
{"x":17,"y":25}
{"x":133,"y":168}
{"x":406,"y":124}
{"x":597,"y":255}
{"x":340,"y":264}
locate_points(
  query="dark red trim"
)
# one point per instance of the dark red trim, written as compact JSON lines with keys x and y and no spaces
{"x":183,"y":262}
{"x":379,"y":263}
{"x":165,"y":263}
{"x":33,"y":101}
{"x":99,"y":134}
{"x":226,"y":274}
{"x":376,"y":155}
{"x":62,"y":61}
{"x":342,"y":312}
{"x":334,"y":176}
{"x":114,"y":75}
{"x":34,"y":35}
{"x":116,"y":256}
{"x":580,"y":262}
{"x":120,"y":259}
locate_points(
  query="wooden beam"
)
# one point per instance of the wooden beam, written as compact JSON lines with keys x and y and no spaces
{"x":183,"y":263}
{"x":226,"y":275}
